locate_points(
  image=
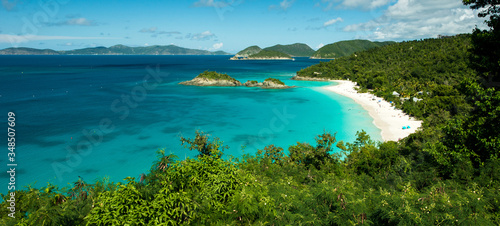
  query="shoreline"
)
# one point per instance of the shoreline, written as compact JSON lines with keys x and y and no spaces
{"x":389,"y":120}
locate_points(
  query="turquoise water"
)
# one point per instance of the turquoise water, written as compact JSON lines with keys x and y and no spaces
{"x":96,"y":116}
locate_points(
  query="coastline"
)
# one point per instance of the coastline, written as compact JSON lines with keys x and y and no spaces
{"x":389,"y":120}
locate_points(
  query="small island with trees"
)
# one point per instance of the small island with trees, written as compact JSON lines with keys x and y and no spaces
{"x":212,"y":78}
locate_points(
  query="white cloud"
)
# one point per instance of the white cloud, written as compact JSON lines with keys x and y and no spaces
{"x":217,"y":46}
{"x":212,"y":3}
{"x":169,"y":33}
{"x":81,"y":21}
{"x":5,"y":38}
{"x":353,"y":4}
{"x":364,"y":4}
{"x":411,"y":19}
{"x":285,"y":4}
{"x":149,"y":30}
{"x":333,"y":21}
{"x":320,"y":45}
{"x":204,"y":36}
{"x":156,"y":33}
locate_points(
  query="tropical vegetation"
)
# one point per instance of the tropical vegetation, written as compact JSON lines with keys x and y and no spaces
{"x":269,"y":54}
{"x":215,"y":76}
{"x":448,"y":173}
{"x":295,"y":50}
{"x":346,"y":48}
{"x":275,"y":81}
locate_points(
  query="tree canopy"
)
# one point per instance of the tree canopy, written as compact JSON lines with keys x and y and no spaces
{"x":485,"y":54}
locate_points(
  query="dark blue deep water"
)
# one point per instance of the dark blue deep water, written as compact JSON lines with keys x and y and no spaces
{"x":106,"y":116}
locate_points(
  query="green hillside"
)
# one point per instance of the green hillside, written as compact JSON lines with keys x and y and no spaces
{"x":294,"y":50}
{"x":461,"y":118}
{"x":27,"y":51}
{"x":147,"y":50}
{"x":345,"y":48}
{"x":431,"y":65}
{"x":248,"y":51}
{"x":270,"y":54}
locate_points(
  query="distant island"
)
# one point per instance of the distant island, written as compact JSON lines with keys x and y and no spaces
{"x":277,"y":52}
{"x":346,"y":48}
{"x":287,"y":52}
{"x":212,"y":78}
{"x":266,"y":55}
{"x":113,"y":50}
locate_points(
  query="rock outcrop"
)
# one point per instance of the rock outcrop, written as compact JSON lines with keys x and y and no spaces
{"x":252,"y":83}
{"x":212,"y":78}
{"x":210,"y":82}
{"x":272,"y":83}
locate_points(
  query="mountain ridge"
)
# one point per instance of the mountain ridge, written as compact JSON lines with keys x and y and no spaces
{"x":113,"y":50}
{"x":294,"y":50}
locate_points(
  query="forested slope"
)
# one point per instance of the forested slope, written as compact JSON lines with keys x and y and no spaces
{"x":446,"y":174}
{"x":433,"y":67}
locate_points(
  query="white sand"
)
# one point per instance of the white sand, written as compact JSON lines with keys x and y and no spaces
{"x":385,"y":117}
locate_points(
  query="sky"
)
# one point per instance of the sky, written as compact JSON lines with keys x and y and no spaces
{"x":227,"y":25}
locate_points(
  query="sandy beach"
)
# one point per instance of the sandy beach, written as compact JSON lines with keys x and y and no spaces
{"x":385,"y":117}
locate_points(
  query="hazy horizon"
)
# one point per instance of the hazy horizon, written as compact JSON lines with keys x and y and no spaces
{"x":226,"y":25}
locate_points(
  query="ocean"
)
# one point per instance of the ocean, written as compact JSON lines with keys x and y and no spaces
{"x":107,"y":116}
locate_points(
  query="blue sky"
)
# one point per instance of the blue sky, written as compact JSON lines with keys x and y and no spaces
{"x":229,"y":25}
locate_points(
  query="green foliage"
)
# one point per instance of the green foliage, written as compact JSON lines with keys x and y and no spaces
{"x":202,"y":144}
{"x":309,"y":156}
{"x":53,"y":206}
{"x":430,"y":70}
{"x":378,"y":184}
{"x":296,"y":49}
{"x":248,"y":51}
{"x":215,"y":76}
{"x":346,"y":48}
{"x":485,"y":51}
{"x":476,"y":137}
{"x":270,"y":54}
{"x":274,"y":80}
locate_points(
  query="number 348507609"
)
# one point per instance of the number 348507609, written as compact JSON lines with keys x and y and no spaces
{"x":11,"y":138}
